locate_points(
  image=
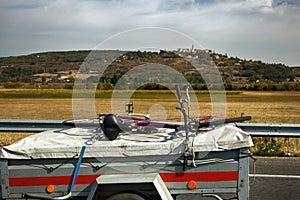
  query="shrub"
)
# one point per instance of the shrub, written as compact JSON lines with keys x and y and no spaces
{"x":267,"y":147}
{"x":13,"y":85}
{"x":69,"y":86}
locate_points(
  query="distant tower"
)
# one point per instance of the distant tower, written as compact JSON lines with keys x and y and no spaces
{"x":193,"y":48}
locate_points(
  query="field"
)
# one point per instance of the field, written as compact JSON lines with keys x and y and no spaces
{"x":264,"y":107}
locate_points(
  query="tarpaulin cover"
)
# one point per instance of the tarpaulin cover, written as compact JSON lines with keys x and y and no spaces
{"x":67,"y":143}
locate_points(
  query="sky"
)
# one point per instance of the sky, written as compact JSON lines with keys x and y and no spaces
{"x":267,"y":30}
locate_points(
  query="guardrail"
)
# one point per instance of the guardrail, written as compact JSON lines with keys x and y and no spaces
{"x":30,"y":125}
{"x":271,"y":130}
{"x":254,"y":129}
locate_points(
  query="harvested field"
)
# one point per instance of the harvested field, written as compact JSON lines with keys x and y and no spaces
{"x":264,"y":107}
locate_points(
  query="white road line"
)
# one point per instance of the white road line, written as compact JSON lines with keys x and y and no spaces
{"x":274,"y":176}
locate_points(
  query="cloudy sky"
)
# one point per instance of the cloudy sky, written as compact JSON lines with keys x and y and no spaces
{"x":267,"y":30}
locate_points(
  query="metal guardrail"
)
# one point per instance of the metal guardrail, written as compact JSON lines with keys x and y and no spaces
{"x":29,"y":125}
{"x":254,"y":129}
{"x":271,"y":130}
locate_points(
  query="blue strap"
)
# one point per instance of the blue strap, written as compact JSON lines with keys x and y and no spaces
{"x":77,"y":167}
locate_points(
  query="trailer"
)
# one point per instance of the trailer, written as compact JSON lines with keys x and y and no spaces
{"x":160,"y":163}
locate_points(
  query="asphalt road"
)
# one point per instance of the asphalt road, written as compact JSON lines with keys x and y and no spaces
{"x":266,"y":182}
{"x":277,"y":187}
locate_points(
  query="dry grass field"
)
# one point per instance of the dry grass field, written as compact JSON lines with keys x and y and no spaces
{"x":264,"y":107}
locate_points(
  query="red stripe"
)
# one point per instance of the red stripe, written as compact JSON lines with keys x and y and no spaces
{"x":55,"y":180}
{"x":200,"y":176}
{"x":89,"y":179}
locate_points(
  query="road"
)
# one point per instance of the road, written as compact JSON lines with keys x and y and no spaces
{"x":279,"y":188}
{"x":269,"y":188}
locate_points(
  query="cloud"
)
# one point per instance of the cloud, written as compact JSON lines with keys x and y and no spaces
{"x":257,"y":29}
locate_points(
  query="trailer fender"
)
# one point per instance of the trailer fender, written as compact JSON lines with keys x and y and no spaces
{"x":135,"y":186}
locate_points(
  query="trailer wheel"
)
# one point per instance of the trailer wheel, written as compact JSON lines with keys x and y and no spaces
{"x":125,"y":196}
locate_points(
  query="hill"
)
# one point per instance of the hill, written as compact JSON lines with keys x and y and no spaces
{"x":296,"y":71}
{"x":58,"y":69}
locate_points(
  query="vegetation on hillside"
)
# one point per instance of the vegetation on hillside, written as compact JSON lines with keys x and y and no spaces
{"x":59,"y":69}
{"x":29,"y":68}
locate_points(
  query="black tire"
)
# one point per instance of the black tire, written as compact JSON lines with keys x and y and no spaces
{"x":125,"y":196}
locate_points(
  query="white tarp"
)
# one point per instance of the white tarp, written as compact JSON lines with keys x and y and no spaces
{"x":67,"y":143}
{"x":222,"y":138}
